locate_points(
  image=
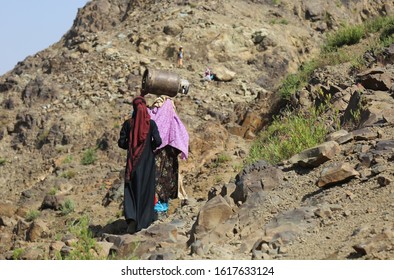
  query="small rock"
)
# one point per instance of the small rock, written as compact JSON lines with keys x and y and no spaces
{"x":383,"y":181}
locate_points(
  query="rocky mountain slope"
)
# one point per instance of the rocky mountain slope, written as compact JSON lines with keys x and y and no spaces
{"x":62,"y":110}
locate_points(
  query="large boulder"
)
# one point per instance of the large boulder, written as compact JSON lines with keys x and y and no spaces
{"x":336,"y":173}
{"x":214,"y":212}
{"x":223,"y":74}
{"x":317,"y":155}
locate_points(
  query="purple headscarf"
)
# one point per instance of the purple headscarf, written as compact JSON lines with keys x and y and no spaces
{"x":171,"y":129}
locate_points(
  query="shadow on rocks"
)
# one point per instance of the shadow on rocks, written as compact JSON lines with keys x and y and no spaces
{"x":300,"y":170}
{"x":354,"y":256}
{"x":318,"y":191}
{"x":116,"y":227}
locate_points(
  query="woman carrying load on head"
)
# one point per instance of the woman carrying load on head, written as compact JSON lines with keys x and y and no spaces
{"x":140,"y":137}
{"x":175,"y":145}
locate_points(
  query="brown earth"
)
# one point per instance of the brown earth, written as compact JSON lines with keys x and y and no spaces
{"x":74,"y":95}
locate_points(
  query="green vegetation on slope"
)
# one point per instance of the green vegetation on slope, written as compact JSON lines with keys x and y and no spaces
{"x":84,"y":248}
{"x":288,"y":135}
{"x":378,"y":33}
{"x":291,"y":132}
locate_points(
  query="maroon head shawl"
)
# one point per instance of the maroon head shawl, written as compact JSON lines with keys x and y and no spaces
{"x":139,"y":130}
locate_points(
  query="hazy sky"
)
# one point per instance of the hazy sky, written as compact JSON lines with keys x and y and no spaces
{"x":29,"y":26}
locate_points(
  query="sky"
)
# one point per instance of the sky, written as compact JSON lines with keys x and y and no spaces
{"x":29,"y":26}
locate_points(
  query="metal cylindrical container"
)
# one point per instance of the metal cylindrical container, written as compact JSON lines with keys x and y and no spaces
{"x":159,"y":82}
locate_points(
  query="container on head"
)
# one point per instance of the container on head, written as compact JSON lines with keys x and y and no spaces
{"x":160,"y":82}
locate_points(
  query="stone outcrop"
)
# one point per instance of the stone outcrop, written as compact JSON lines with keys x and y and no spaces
{"x":336,"y":173}
{"x":317,"y":155}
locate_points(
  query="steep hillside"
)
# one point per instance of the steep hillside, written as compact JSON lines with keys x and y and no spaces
{"x":62,"y":110}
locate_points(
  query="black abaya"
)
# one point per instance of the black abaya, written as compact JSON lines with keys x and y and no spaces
{"x":139,"y":190}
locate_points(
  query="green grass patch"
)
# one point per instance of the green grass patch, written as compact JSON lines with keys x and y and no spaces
{"x":294,"y":82}
{"x":279,"y":21}
{"x":58,"y":236}
{"x":68,"y":159}
{"x":69,"y":174}
{"x":221,"y":159}
{"x":67,"y":207}
{"x":89,"y":157}
{"x":53,"y":190}
{"x":387,"y":34}
{"x":345,"y":36}
{"x":2,"y":161}
{"x":83,"y":249}
{"x":378,"y":24}
{"x":287,"y":136}
{"x":17,"y":253}
{"x":32,"y":215}
{"x":350,"y":35}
